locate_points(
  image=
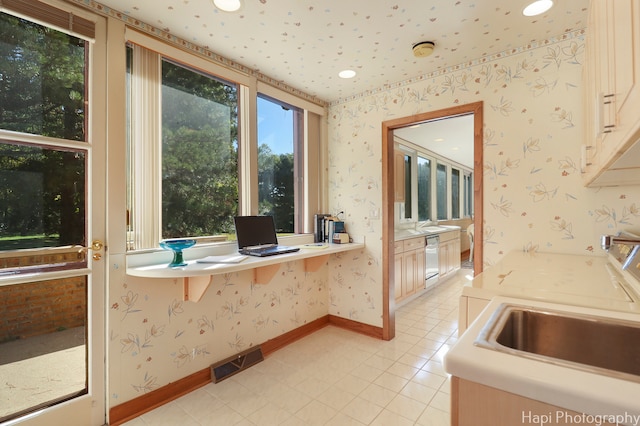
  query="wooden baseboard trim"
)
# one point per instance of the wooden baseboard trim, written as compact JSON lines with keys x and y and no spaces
{"x":131,"y":409}
{"x":270,"y":346}
{"x":355,"y":326}
{"x":154,"y":399}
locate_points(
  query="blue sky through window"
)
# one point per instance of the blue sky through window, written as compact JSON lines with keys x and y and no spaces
{"x":275,"y":126}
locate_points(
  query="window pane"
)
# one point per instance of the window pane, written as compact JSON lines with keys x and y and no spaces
{"x":408,"y":214}
{"x":424,"y":189}
{"x":42,"y":194}
{"x":43,"y":80}
{"x":455,"y":193}
{"x":441,"y":190}
{"x":199,"y":153}
{"x":468,"y":194}
{"x":277,"y":124}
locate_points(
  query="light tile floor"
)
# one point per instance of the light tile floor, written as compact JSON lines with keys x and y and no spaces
{"x":338,"y":377}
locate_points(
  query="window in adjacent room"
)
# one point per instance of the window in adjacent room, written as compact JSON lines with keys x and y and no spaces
{"x":424,"y":189}
{"x":455,"y":193}
{"x":441,"y":191}
{"x":468,"y":194}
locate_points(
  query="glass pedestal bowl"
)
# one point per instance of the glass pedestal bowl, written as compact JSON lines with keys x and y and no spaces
{"x":177,"y":246}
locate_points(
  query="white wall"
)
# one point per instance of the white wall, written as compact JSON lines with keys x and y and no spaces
{"x":534,"y":198}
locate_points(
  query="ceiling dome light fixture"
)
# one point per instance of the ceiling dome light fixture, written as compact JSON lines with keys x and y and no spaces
{"x":227,"y":5}
{"x":423,"y":49}
{"x":537,"y":7}
{"x":347,"y":74}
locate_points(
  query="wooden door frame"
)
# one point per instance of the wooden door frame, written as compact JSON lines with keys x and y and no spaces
{"x":388,"y":220}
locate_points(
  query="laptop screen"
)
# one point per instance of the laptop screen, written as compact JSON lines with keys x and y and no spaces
{"x":255,"y":231}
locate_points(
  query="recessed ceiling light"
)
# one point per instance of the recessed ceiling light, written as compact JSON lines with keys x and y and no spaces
{"x":438,"y":140}
{"x":227,"y":5}
{"x":537,"y":7}
{"x":347,"y":74}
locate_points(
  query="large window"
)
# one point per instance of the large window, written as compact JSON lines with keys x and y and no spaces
{"x":199,"y":153}
{"x":279,"y":127}
{"x":196,"y":159}
{"x":183,"y":150}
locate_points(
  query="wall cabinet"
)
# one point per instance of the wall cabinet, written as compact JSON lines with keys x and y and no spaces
{"x":611,"y":82}
{"x":449,"y":254}
{"x":409,"y":262}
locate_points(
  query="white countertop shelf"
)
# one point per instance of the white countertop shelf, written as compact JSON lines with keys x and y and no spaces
{"x":423,"y":231}
{"x":590,"y":281}
{"x":197,"y":277}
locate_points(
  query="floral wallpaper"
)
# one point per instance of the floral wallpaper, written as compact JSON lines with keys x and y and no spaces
{"x":534,"y":199}
{"x":156,"y":338}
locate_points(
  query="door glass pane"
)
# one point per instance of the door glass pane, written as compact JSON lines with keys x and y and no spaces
{"x":42,"y":199}
{"x":43,"y":80}
{"x":43,"y":206}
{"x":455,"y":193}
{"x":424,"y":189}
{"x":43,"y":347}
{"x":199,"y":153}
{"x":277,"y":124}
{"x":441,"y":191}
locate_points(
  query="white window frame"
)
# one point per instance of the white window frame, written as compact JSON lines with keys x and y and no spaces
{"x":414,"y":151}
{"x":146,"y":161}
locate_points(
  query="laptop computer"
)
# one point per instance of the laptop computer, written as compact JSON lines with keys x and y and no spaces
{"x":257,"y":236}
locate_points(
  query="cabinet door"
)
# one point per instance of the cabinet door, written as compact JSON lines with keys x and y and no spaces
{"x":443,"y":259}
{"x":622,"y":77}
{"x":455,"y":255}
{"x":612,"y":90}
{"x":421,"y":265}
{"x":410,"y":265}
{"x":451,"y":256}
{"x":399,"y":275}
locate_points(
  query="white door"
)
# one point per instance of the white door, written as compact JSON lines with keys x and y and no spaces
{"x":52,"y":224}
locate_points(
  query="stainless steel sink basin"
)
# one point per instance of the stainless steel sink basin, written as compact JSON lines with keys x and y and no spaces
{"x":592,"y":343}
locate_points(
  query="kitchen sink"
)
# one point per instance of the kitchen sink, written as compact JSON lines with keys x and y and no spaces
{"x":432,"y":229}
{"x":592,"y":343}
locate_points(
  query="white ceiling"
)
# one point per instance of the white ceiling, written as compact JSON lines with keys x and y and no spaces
{"x":451,"y":138}
{"x":306,"y":43}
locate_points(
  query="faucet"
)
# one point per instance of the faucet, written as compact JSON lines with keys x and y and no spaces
{"x":608,"y":240}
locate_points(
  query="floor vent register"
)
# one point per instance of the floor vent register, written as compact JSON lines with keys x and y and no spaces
{"x":235,"y":364}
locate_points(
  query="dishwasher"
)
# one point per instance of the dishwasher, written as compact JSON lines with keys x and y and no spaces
{"x":431,"y":261}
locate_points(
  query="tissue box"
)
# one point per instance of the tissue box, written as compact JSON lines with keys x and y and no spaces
{"x":341,"y":238}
